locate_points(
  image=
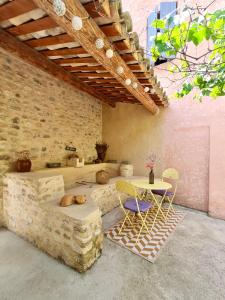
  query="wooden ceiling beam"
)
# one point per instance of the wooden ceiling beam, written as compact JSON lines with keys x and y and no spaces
{"x":94,"y":75}
{"x":75,"y":60}
{"x":84,"y":68}
{"x":65,"y":38}
{"x":110,"y":30}
{"x":97,"y":9}
{"x":61,"y":52}
{"x":50,"y":40}
{"x":79,"y":50}
{"x":121,"y":45}
{"x":33,"y":26}
{"x":13,"y":9}
{"x":64,"y":51}
{"x":100,"y":81}
{"x":86,"y":38}
{"x":107,"y":86}
{"x":33,"y":57}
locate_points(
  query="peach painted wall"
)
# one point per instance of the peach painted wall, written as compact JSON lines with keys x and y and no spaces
{"x":188,"y":136}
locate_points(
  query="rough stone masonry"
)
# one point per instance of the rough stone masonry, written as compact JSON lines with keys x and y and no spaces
{"x":74,"y":238}
{"x":41,"y":114}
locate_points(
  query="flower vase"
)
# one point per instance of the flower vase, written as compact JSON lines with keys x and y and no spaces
{"x":151,"y":177}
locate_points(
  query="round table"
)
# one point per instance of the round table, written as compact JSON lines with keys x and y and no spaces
{"x":158,"y":185}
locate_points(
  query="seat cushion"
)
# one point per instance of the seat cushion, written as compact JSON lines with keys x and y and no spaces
{"x":131,"y":204}
{"x":161,"y":193}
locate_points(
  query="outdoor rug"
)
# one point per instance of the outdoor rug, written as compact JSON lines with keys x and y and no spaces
{"x":149,"y":245}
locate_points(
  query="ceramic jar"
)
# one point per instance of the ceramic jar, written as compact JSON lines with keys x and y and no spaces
{"x":126,"y":170}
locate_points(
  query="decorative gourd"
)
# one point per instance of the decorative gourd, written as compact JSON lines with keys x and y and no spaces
{"x":80,"y":199}
{"x":67,"y":200}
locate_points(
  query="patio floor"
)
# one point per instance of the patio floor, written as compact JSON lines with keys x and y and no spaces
{"x":191,"y":266}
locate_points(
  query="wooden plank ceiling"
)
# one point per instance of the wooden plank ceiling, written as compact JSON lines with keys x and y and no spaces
{"x":71,"y":55}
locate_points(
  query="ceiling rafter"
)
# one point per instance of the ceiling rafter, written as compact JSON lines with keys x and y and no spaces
{"x":16,"y":47}
{"x":35,"y":28}
{"x":86,"y":38}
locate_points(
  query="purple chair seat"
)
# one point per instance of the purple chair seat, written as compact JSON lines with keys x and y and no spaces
{"x":162,"y":192}
{"x":132,"y":205}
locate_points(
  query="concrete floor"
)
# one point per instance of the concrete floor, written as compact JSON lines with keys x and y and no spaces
{"x":191,"y":266}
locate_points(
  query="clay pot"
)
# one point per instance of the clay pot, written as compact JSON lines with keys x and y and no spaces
{"x":102,"y":177}
{"x":23,"y":163}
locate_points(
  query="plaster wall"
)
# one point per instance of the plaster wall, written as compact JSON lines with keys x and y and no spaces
{"x":188,"y":135}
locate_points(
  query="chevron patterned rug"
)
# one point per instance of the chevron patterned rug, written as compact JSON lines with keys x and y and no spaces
{"x":149,"y":245}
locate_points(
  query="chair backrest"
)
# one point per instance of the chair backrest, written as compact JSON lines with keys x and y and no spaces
{"x":126,"y":188}
{"x":171,"y":173}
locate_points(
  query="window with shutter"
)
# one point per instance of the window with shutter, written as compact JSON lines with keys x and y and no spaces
{"x":165,"y":8}
{"x":151,"y":33}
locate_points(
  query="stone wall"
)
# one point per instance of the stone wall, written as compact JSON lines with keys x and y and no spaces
{"x":71,"y":234}
{"x":42,"y":114}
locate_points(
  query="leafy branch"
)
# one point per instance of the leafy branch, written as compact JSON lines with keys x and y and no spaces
{"x":194,"y":28}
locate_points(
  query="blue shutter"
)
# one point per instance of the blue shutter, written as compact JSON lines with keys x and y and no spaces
{"x":151,"y":33}
{"x":168,"y":8}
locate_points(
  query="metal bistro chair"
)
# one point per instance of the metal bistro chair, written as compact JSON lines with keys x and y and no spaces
{"x":133,"y":204}
{"x":169,"y":174}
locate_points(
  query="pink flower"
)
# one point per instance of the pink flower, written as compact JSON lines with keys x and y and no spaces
{"x":151,"y":161}
{"x":150,"y":165}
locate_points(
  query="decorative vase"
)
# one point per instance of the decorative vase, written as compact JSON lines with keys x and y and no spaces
{"x":101,"y":152}
{"x":23,"y":163}
{"x":151,"y":177}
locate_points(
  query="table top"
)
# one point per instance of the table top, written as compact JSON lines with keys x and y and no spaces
{"x":144,"y":184}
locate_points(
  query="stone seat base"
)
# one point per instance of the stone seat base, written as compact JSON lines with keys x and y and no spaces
{"x":74,"y":234}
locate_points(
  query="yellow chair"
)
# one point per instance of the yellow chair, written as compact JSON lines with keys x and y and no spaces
{"x":169,"y":174}
{"x":134,"y":204}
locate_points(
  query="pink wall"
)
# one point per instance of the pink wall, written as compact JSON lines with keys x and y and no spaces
{"x":188,"y":135}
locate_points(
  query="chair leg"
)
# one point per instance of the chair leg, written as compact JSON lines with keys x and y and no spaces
{"x":170,"y":208}
{"x":144,"y":221}
{"x":142,"y":226}
{"x":137,"y":239}
{"x":124,"y":221}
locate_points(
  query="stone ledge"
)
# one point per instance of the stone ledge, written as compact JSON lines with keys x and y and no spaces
{"x":74,"y":234}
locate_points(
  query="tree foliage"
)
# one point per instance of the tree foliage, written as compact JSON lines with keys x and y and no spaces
{"x":177,"y":36}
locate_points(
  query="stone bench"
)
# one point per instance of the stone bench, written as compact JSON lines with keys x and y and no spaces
{"x":73,"y":234}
